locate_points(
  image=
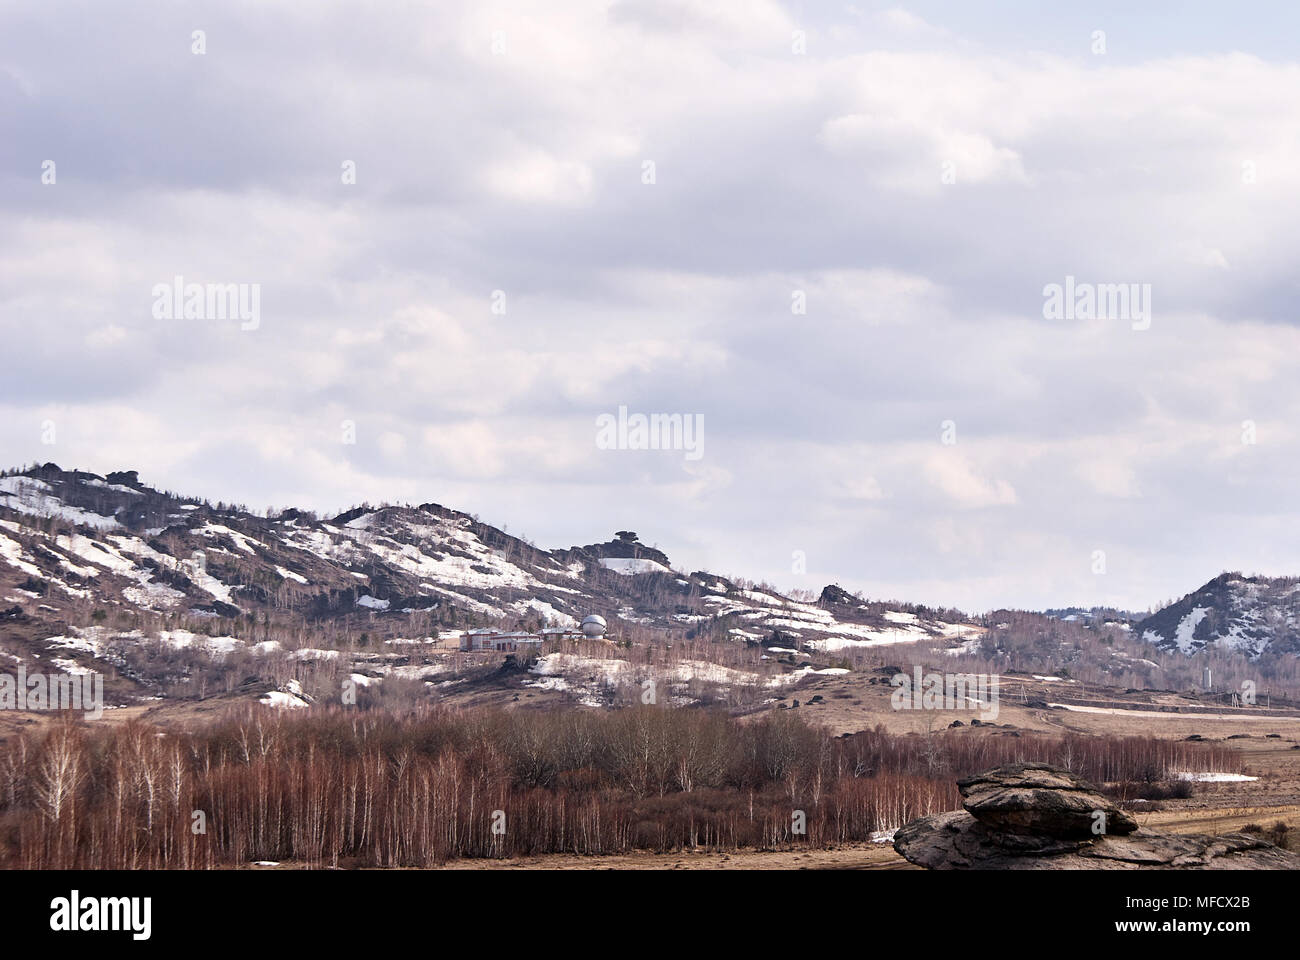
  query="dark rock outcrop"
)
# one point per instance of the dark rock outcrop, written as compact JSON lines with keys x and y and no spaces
{"x":1036,"y":798}
{"x":1032,"y":816}
{"x":833,"y":593}
{"x":625,"y":546}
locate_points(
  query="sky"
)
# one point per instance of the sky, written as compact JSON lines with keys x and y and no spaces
{"x":825,"y":232}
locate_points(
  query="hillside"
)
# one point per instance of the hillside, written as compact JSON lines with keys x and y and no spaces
{"x":173,"y":591}
{"x":181,"y":599}
{"x":1249,"y":615}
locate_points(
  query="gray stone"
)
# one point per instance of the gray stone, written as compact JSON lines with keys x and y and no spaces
{"x":1032,"y":817}
{"x":1038,"y":798}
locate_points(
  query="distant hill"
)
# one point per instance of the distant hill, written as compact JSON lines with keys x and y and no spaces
{"x":99,"y":567}
{"x":1250,"y":615}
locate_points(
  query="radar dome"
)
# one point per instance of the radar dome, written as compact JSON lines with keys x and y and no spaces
{"x":594,"y":626}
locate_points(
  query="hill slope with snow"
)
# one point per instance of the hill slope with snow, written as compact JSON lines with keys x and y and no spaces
{"x":1250,"y":615}
{"x":111,"y":562}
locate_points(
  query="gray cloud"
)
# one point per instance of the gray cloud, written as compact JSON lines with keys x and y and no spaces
{"x":521,"y":171}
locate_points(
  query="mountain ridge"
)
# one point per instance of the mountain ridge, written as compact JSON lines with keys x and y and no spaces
{"x":106,"y":570}
{"x":76,"y":538}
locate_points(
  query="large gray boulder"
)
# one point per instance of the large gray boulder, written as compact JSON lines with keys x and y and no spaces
{"x":1036,"y":798}
{"x":1036,"y":817}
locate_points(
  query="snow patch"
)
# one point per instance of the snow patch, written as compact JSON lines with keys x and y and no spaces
{"x":631,"y":566}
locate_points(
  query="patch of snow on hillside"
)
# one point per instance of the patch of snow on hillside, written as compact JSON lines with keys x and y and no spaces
{"x":313,"y":653}
{"x":1216,"y":777}
{"x":282,"y":700}
{"x":415,"y":671}
{"x":708,"y":672}
{"x":289,"y":695}
{"x":99,"y":553}
{"x":290,"y":575}
{"x":482,"y":568}
{"x":1187,"y":627}
{"x":32,"y":497}
{"x":630,"y":615}
{"x":153,"y":595}
{"x":588,"y":677}
{"x":241,"y":541}
{"x":77,"y":644}
{"x":631,"y":566}
{"x":115,"y":487}
{"x":216,"y":647}
{"x":551,"y":615}
{"x":1238,"y":639}
{"x":795,"y":676}
{"x":857,"y":635}
{"x":469,"y":602}
{"x":558,"y":664}
{"x":12,"y":552}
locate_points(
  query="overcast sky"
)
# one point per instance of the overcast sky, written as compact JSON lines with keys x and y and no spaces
{"x":920,"y":173}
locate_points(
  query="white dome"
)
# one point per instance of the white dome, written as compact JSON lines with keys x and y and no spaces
{"x":594,"y":626}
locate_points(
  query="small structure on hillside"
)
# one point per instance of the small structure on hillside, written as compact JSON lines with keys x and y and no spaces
{"x":498,"y":640}
{"x":511,"y":641}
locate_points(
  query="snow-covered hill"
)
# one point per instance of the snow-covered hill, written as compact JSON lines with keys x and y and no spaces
{"x":109,"y":561}
{"x":1251,"y":615}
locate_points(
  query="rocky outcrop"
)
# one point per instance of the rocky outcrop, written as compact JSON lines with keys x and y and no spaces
{"x":1035,"y":798}
{"x":833,"y":593}
{"x":1032,"y":816}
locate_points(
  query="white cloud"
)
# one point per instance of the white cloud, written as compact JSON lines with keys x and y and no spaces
{"x":959,"y":480}
{"x":519,"y":171}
